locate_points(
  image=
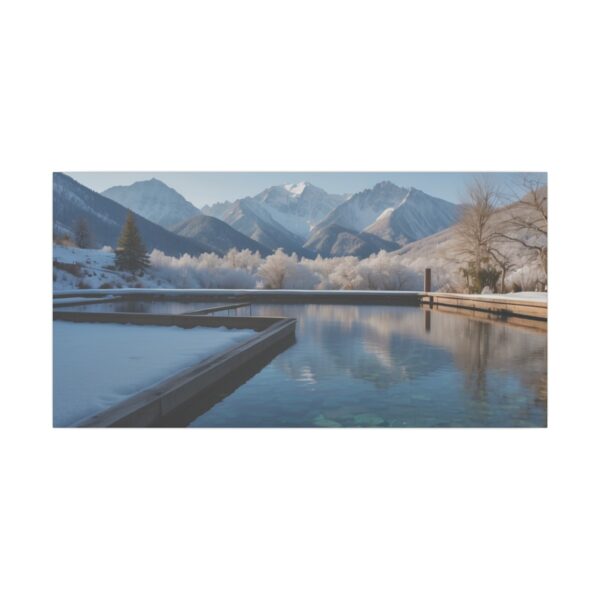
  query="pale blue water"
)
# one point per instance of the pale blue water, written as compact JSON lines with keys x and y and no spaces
{"x":361,"y":366}
{"x":140,"y":306}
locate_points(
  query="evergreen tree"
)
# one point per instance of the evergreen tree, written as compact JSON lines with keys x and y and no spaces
{"x":131,"y":253}
{"x":83,"y":237}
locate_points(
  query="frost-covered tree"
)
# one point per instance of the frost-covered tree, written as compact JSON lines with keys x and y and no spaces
{"x":476,"y":234}
{"x":205,"y":271}
{"x":243,"y":259}
{"x":244,"y":269}
{"x":280,"y":271}
{"x":130,"y":254}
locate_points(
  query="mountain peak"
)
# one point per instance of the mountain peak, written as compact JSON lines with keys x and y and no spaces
{"x":385,"y":185}
{"x":296,"y":189}
{"x":152,"y":181}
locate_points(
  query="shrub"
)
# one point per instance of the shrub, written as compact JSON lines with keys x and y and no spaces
{"x":478,"y":278}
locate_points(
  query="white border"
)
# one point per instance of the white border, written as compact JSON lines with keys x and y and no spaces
{"x":280,"y":513}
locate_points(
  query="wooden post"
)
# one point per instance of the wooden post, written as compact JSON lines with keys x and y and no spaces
{"x":427,"y":281}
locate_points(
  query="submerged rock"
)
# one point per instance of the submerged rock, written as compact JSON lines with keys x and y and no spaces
{"x":322,"y":421}
{"x":368,"y":420}
{"x":398,"y":423}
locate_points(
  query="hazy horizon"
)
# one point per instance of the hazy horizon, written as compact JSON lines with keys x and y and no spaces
{"x":205,"y":188}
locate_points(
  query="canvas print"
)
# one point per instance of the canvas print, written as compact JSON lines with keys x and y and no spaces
{"x":322,"y":300}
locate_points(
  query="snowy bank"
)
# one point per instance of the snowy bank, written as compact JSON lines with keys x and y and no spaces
{"x":534,"y":296}
{"x":98,"y":365}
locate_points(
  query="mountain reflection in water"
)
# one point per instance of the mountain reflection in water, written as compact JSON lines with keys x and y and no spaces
{"x":392,"y":366}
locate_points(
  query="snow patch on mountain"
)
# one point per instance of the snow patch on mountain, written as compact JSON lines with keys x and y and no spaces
{"x":385,"y":213}
{"x":295,"y":189}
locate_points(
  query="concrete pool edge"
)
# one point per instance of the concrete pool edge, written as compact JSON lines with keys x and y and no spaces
{"x":168,"y":320}
{"x":149,"y":406}
{"x":504,"y":307}
{"x":257,"y":296}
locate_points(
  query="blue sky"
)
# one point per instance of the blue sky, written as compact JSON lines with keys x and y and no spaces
{"x":205,"y":188}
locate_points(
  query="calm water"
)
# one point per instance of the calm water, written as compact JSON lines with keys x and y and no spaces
{"x":361,"y":366}
{"x":138,"y":306}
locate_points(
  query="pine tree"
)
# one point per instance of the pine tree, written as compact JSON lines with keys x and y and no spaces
{"x":131,"y":253}
{"x":83,"y":237}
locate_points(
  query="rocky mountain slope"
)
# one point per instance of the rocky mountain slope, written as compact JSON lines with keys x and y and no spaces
{"x":218,"y":235}
{"x":335,"y":240}
{"x":154,"y":200}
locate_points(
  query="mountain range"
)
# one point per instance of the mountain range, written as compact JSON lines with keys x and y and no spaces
{"x":281,"y":216}
{"x":305,"y":219}
{"x":297,"y":217}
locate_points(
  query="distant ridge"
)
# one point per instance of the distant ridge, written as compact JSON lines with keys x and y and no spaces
{"x":218,"y":234}
{"x":335,"y":240}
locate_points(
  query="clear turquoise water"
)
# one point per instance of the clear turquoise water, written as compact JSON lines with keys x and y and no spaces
{"x":379,"y":366}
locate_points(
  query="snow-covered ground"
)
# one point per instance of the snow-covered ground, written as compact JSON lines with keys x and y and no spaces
{"x":84,"y":268}
{"x":97,"y":365}
{"x":537,"y":296}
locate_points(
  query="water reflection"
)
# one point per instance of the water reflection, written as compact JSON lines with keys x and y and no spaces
{"x":139,"y":306}
{"x":393,"y":366}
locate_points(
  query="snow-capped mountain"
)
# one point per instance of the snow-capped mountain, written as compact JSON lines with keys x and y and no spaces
{"x":154,"y":200}
{"x":416,"y":216}
{"x":335,"y":240}
{"x":281,"y":216}
{"x":105,"y":218}
{"x":217,"y":234}
{"x":393,"y":213}
{"x":298,"y":207}
{"x":363,"y":208}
